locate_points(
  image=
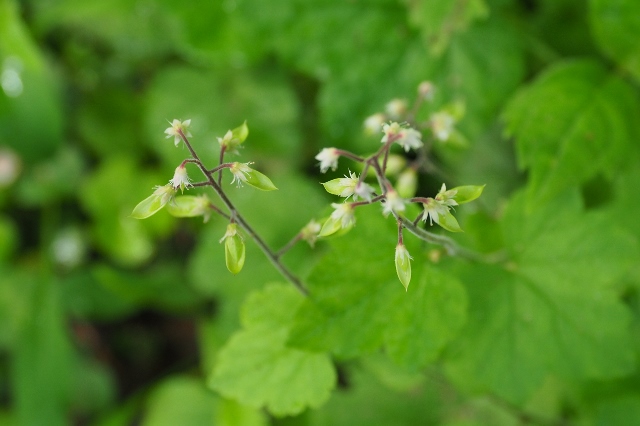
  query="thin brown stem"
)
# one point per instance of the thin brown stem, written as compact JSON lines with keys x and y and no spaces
{"x":235,"y":216}
{"x":292,"y":242}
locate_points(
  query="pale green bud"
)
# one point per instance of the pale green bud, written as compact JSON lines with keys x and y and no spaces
{"x":234,"y":250}
{"x":234,"y":138}
{"x":403,"y":265}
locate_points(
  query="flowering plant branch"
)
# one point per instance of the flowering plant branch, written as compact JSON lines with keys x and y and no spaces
{"x":185,"y":206}
{"x":394,"y":200}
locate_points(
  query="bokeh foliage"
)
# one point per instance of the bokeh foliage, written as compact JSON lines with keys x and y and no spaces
{"x":105,"y":320}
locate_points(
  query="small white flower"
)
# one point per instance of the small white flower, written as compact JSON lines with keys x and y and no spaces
{"x":180,"y":178}
{"x":328,"y":158}
{"x":446,"y":197}
{"x":393,"y":203}
{"x":343,"y":213}
{"x":226,"y":139}
{"x":348,"y":185}
{"x":426,"y":89}
{"x":374,"y":123}
{"x":390,"y":130}
{"x":240,"y":172}
{"x":410,"y":138}
{"x":232,"y":231}
{"x":363,"y":191}
{"x":176,"y":128}
{"x":442,"y":125}
{"x":396,"y":108}
{"x":310,"y":232}
{"x":406,"y":137}
{"x":433,"y":210}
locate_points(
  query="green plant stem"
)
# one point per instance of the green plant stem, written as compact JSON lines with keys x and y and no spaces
{"x":235,"y":215}
{"x":452,"y":247}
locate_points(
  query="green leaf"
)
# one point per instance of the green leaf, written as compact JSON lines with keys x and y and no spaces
{"x":147,"y":207}
{"x":449,"y":222}
{"x":621,"y":411}
{"x":240,"y":133}
{"x":427,"y":320}
{"x":574,"y":121}
{"x":357,"y":306}
{"x":551,"y":309}
{"x":259,"y":181}
{"x":334,"y":186}
{"x":615,"y":25}
{"x":467,"y":193}
{"x":258,"y":369}
{"x":180,"y":400}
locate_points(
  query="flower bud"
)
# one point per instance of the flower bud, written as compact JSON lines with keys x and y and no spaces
{"x":341,"y":218}
{"x":373,"y":123}
{"x":310,"y":232}
{"x":328,"y":159}
{"x":234,"y":138}
{"x":425,"y":90}
{"x":403,"y":265}
{"x":393,"y":203}
{"x":234,"y":251}
{"x":396,"y":108}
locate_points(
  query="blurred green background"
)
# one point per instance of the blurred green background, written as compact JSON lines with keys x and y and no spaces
{"x":105,"y":320}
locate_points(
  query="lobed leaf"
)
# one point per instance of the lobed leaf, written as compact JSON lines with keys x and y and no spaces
{"x":258,"y":369}
{"x":552,"y":308}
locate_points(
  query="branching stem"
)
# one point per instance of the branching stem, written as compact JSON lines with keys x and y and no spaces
{"x":237,"y":218}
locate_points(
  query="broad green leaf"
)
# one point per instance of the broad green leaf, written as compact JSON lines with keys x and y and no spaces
{"x":616,"y":25}
{"x":368,"y":402}
{"x":552,"y":308}
{"x":180,"y":400}
{"x":427,"y":320}
{"x":357,"y":304}
{"x":258,"y":369}
{"x":621,"y":411}
{"x":574,"y":121}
